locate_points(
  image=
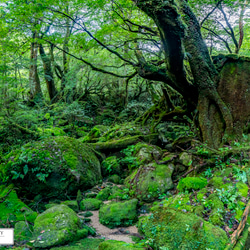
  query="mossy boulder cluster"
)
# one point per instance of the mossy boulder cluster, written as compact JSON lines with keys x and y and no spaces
{"x":172,"y":229}
{"x":150,"y":179}
{"x":53,"y":167}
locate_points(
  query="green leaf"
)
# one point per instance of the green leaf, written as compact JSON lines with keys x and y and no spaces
{"x":25,"y":169}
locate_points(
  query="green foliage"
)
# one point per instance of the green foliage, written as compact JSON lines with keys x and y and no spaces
{"x":228,"y":197}
{"x":129,"y":160}
{"x":111,"y":165}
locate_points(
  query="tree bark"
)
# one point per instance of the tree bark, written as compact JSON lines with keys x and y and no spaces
{"x":179,"y":30}
{"x":48,"y":73}
{"x":34,"y":81}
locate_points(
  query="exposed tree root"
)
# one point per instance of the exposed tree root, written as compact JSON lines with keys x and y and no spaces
{"x":238,"y":231}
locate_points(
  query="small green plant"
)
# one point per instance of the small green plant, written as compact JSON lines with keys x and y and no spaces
{"x":228,"y":197}
{"x":208,"y":173}
{"x":239,"y":174}
{"x":129,"y":159}
{"x":202,"y":150}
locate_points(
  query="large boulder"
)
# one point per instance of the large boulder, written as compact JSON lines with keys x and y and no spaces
{"x":53,"y":167}
{"x":12,"y":209}
{"x":57,"y":226}
{"x":118,"y":213}
{"x":171,"y":229}
{"x":149,"y":181}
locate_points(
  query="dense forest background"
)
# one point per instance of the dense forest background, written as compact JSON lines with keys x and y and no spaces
{"x":144,"y":103}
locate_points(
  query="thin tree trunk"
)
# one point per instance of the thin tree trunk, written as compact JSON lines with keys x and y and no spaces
{"x":34,"y":81}
{"x":48,"y":73}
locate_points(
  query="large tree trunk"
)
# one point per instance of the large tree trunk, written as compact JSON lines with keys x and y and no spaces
{"x":179,"y":30}
{"x":48,"y":73}
{"x":34,"y":81}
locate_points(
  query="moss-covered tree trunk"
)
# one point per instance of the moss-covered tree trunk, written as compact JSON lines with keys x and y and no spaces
{"x":180,"y":33}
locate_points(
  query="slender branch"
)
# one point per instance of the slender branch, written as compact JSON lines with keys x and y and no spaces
{"x":219,"y":37}
{"x":210,"y":13}
{"x":230,"y":27}
{"x":98,"y":41}
{"x":88,"y":63}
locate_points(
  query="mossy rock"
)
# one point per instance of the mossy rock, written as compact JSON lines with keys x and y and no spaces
{"x":119,"y":213}
{"x":119,"y":193}
{"x":104,"y":194}
{"x":84,"y":244}
{"x":186,"y":159}
{"x":90,"y":204}
{"x":171,"y":229}
{"x":216,"y":182}
{"x":191,"y":183}
{"x":13,"y":209}
{"x":57,"y":226}
{"x":118,"y":245}
{"x":53,"y":167}
{"x":144,"y":152}
{"x":180,"y":202}
{"x":71,"y":204}
{"x":115,"y":179}
{"x":149,"y":181}
{"x":23,"y":232}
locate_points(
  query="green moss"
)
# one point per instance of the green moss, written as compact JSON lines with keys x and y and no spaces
{"x":90,"y":204}
{"x":179,"y":202}
{"x":118,"y":245}
{"x":119,"y":193}
{"x":119,"y":213}
{"x":103,"y":194}
{"x":53,"y":166}
{"x":198,"y":210}
{"x":88,"y":244}
{"x":115,"y":179}
{"x":216,"y":203}
{"x":13,"y":209}
{"x":201,"y":194}
{"x":152,"y":181}
{"x":216,"y":182}
{"x":171,"y":229}
{"x":71,"y":204}
{"x":22,"y":231}
{"x":56,"y":226}
{"x":239,"y":210}
{"x":143,"y":152}
{"x":87,"y":214}
{"x":242,"y":188}
{"x":191,"y":183}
